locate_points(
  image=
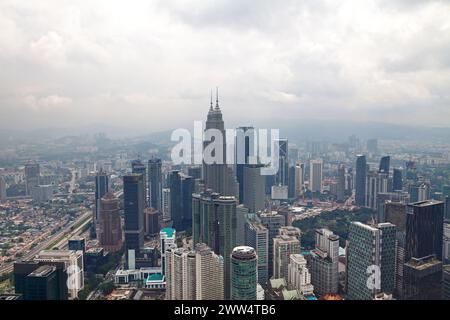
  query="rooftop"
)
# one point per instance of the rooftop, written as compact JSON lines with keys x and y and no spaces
{"x":155,"y":277}
{"x":168,"y":231}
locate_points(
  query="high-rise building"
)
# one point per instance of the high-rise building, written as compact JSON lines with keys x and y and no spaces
{"x":324,"y":263}
{"x":209,"y":274}
{"x":291,"y":183}
{"x":282,"y":176}
{"x":217,"y":175}
{"x":447,"y":208}
{"x":341,"y":183}
{"x":272,"y":221}
{"x":214,"y":223}
{"x":299,"y":277}
{"x":155,"y":183}
{"x":254,"y":193}
{"x":446,"y":244}
{"x":385,"y":164}
{"x":41,"y":281}
{"x":244,"y":273}
{"x":376,"y":183}
{"x":77,"y":244}
{"x":446,"y":282}
{"x":244,"y":149}
{"x":138,"y":167}
{"x":32,"y":176}
{"x":101,"y":188}
{"x":315,"y":175}
{"x":166,"y":203}
{"x":2,"y":189}
{"x":110,"y":225}
{"x":175,"y":199}
{"x":180,"y":274}
{"x":370,"y":260}
{"x":397,"y":182}
{"x":167,"y":238}
{"x":299,"y":179}
{"x":187,"y":188}
{"x":283,"y":247}
{"x":257,"y":237}
{"x":423,"y":279}
{"x":151,"y":221}
{"x":241,"y":219}
{"x":360,"y":180}
{"x":385,"y":198}
{"x":73,"y":266}
{"x":424,"y":229}
{"x":290,"y":231}
{"x":134,"y":203}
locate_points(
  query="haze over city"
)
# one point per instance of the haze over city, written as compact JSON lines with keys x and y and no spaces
{"x":116,"y":64}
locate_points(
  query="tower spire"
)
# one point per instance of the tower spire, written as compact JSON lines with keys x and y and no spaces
{"x":211,"y":105}
{"x":217,"y":98}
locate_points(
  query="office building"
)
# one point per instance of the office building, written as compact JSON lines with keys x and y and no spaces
{"x":257,"y":237}
{"x":244,"y":149}
{"x":283,"y":247}
{"x":324,"y":263}
{"x":340,"y":183}
{"x":315,"y":175}
{"x":180,"y":274}
{"x":134,"y":203}
{"x":282,"y":175}
{"x":151,"y":221}
{"x":360,"y":180}
{"x":424,"y":229}
{"x":137,"y":167}
{"x":423,"y":279}
{"x":110,"y":224}
{"x":166,"y":203}
{"x":446,"y":282}
{"x":397,"y":183}
{"x":376,"y":183}
{"x":299,"y":179}
{"x":254,"y":193}
{"x":73,"y":266}
{"x":155,"y":183}
{"x":101,"y":188}
{"x":244,"y":273}
{"x":385,"y":164}
{"x":187,"y":189}
{"x":32,"y":177}
{"x":77,"y":244}
{"x":272,"y":221}
{"x":370,"y":260}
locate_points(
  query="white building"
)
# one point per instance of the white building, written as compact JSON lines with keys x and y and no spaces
{"x":299,"y":277}
{"x":209,"y":274}
{"x":283,"y":247}
{"x":167,"y":238}
{"x":166,"y":203}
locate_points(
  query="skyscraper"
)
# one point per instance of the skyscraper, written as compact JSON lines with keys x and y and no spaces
{"x":244,"y":149}
{"x":214,"y":223}
{"x":385,"y":164}
{"x":167,"y":238}
{"x":254,"y":194}
{"x":282,"y":176}
{"x":397,"y":183}
{"x":2,"y":189}
{"x":341,"y":183}
{"x":180,"y":274}
{"x":216,"y":175}
{"x":244,"y":274}
{"x":360,"y":183}
{"x":176,"y":199}
{"x":370,"y":260}
{"x":315,"y":175}
{"x":257,"y":237}
{"x":138,"y":167}
{"x":283,"y":247}
{"x":272,"y":221}
{"x":110,"y":225}
{"x":134,"y":204}
{"x":155,"y":183}
{"x":32,"y":176}
{"x":187,"y":188}
{"x":424,"y":229}
{"x":101,"y":188}
{"x":209,"y":274}
{"x":166,"y":203}
{"x":299,"y":178}
{"x":324,"y":262}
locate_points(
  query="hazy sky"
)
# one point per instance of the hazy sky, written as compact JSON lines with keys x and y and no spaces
{"x":153,"y":63}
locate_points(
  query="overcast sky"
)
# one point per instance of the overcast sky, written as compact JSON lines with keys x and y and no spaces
{"x":153,"y":63}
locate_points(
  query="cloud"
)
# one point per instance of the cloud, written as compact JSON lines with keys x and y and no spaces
{"x":113,"y":60}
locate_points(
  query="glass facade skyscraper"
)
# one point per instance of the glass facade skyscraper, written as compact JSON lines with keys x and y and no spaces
{"x":244,"y":273}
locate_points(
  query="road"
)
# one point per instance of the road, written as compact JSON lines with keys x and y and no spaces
{"x":83,"y":220}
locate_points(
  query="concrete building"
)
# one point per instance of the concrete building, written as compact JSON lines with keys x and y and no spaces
{"x":283,"y":247}
{"x":257,"y":237}
{"x":272,"y":221}
{"x":299,"y":277}
{"x":209,"y":274}
{"x":315,"y":175}
{"x":110,"y":224}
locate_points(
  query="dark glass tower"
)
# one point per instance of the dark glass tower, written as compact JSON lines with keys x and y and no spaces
{"x":155,"y":183}
{"x":133,"y":185}
{"x":101,"y":188}
{"x":244,"y":148}
{"x":175,"y":199}
{"x":424,"y":229}
{"x":360,"y":183}
{"x":139,"y":168}
{"x":397,"y":183}
{"x":385,"y":164}
{"x":187,"y":188}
